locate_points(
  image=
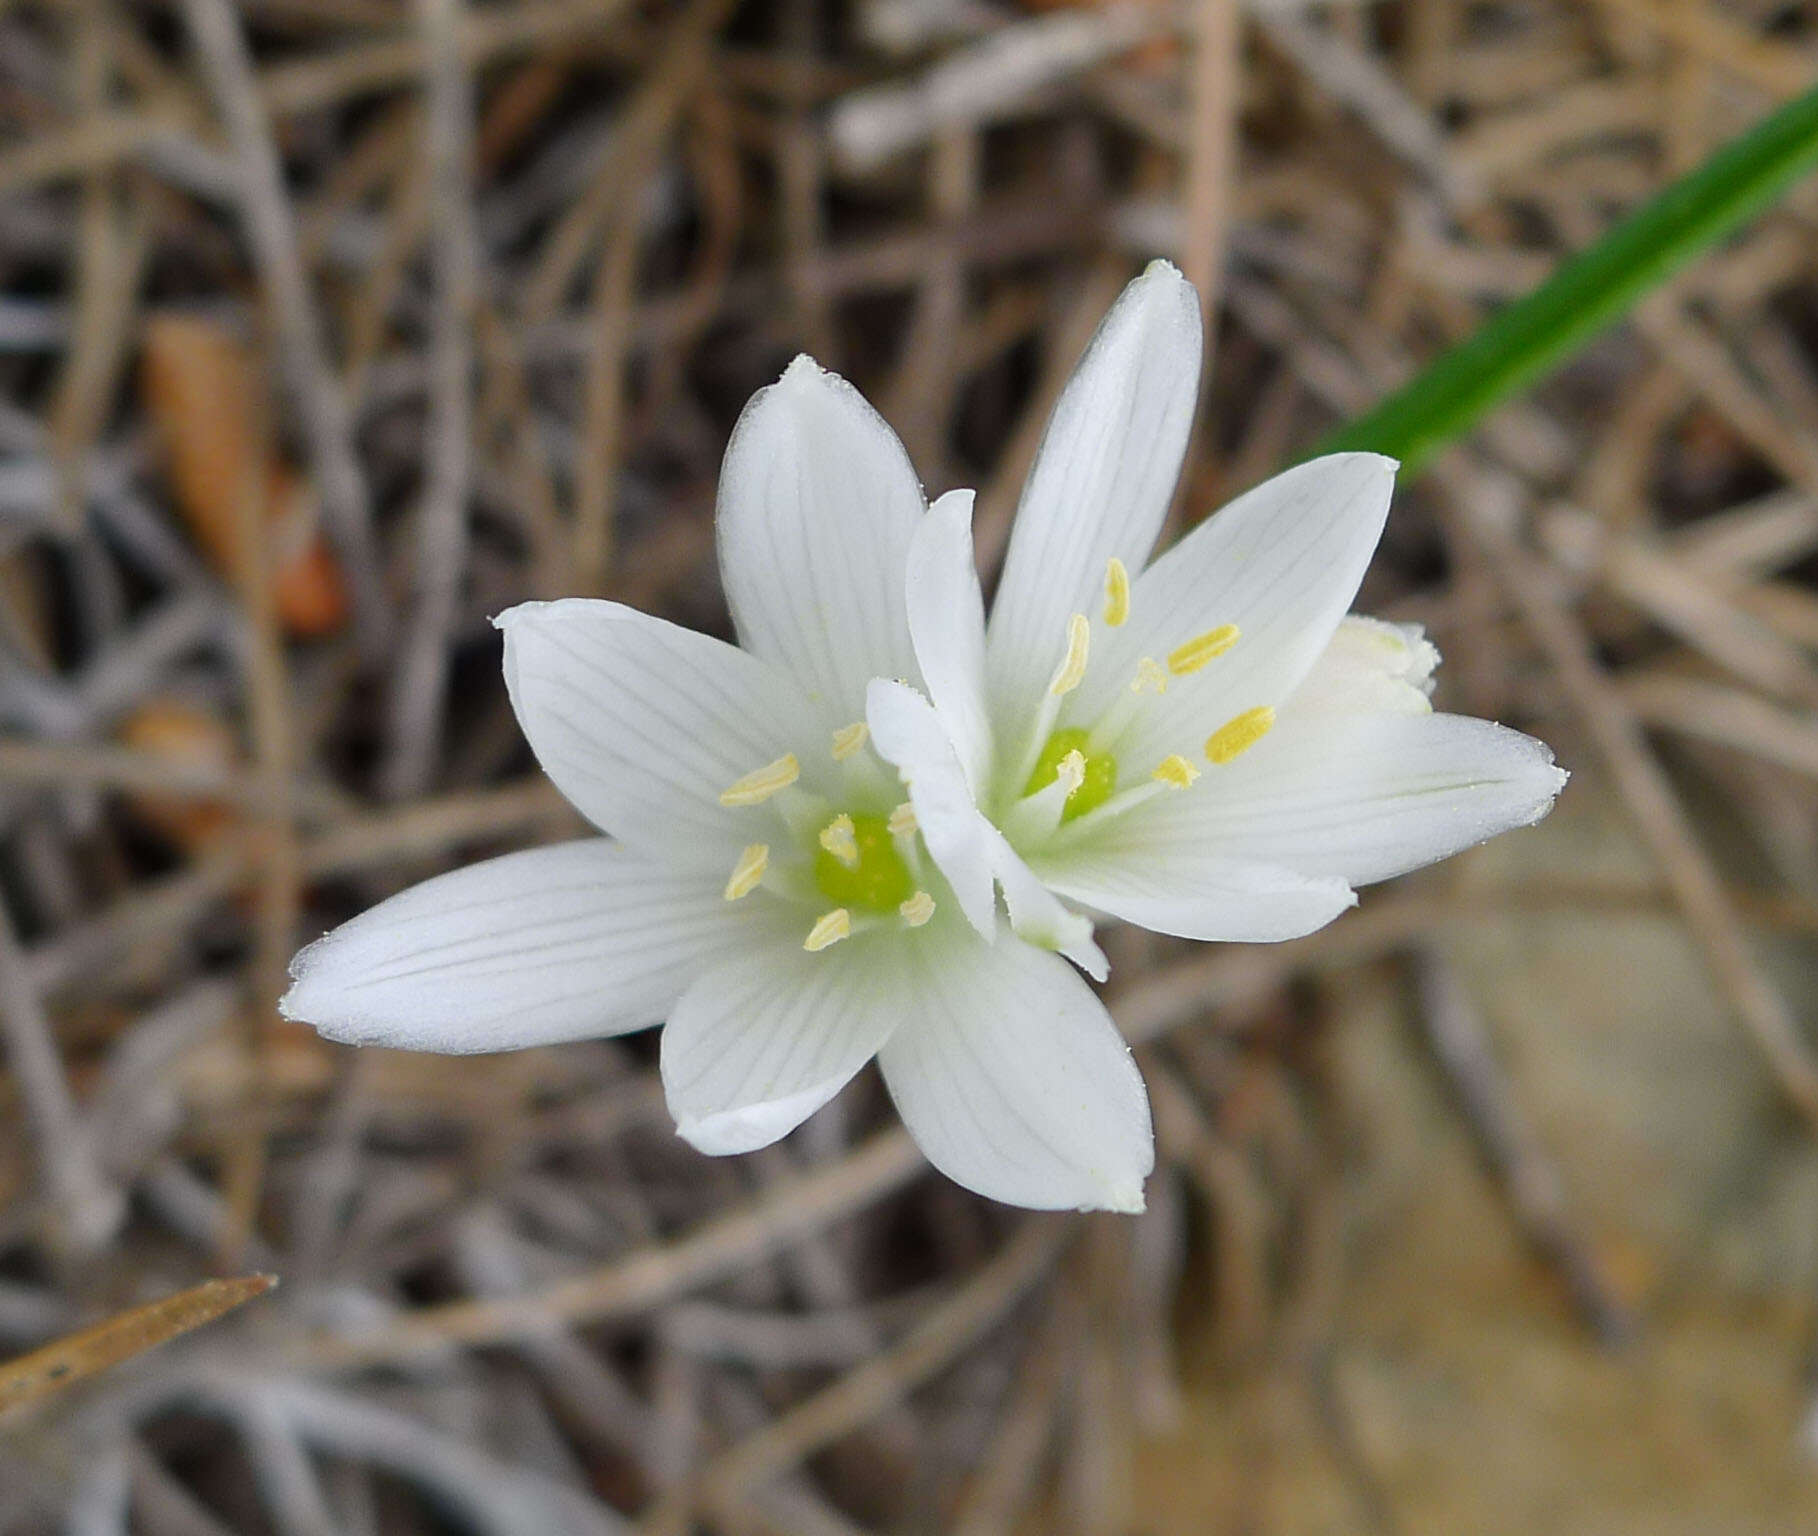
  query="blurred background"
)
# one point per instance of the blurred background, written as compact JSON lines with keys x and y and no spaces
{"x":329,"y":328}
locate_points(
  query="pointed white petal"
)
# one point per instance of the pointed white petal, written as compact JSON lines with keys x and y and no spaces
{"x":947,"y":622}
{"x":1038,"y":918}
{"x":970,"y":852}
{"x":757,"y":1045}
{"x":1100,"y":485}
{"x":1362,"y":797}
{"x":642,"y":723}
{"x":1282,"y":563}
{"x":552,"y":944}
{"x":909,"y":735}
{"x":817,"y":506}
{"x":1143,"y":869}
{"x":1013,"y":1079}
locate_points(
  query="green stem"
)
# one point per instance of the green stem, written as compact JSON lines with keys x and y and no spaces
{"x":1530,"y":336}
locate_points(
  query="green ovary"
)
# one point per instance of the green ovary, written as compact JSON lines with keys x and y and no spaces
{"x":879,"y":882}
{"x":1101,"y":772}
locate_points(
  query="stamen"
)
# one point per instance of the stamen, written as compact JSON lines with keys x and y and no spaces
{"x":840,"y":840}
{"x":1201,"y":649}
{"x":1151,"y":677}
{"x":1240,"y":733}
{"x":849,"y":739}
{"x":759,"y":785}
{"x":1070,"y":771}
{"x":748,"y":873}
{"x":1175,"y":770}
{"x":828,"y":930}
{"x":902,"y":821}
{"x":1073,"y":665}
{"x":1117,"y":594}
{"x":917,"y":909}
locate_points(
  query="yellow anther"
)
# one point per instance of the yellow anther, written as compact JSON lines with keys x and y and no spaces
{"x":1151,"y":677}
{"x":759,"y":786}
{"x":828,"y":929}
{"x":902,"y":821}
{"x":1071,"y":770}
{"x":917,"y":909}
{"x":1175,"y":770}
{"x":1240,"y":733}
{"x":1117,"y":593}
{"x":1073,"y":667}
{"x":840,"y":840}
{"x":748,"y":873}
{"x":849,"y":739}
{"x":1201,"y":649}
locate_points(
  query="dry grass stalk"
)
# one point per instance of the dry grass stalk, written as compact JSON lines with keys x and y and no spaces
{"x":29,"y":1381}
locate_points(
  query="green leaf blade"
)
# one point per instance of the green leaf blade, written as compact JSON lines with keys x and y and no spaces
{"x":1529,"y":337}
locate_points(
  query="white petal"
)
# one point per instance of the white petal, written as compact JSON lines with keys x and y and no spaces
{"x":1038,"y":918}
{"x":552,"y":944}
{"x":642,"y":723}
{"x":1282,"y":563}
{"x":970,"y":852}
{"x":1370,"y":667}
{"x":1013,"y":1079}
{"x":909,"y":735}
{"x":1144,"y":869}
{"x":1100,"y":485}
{"x":1362,"y":797}
{"x":757,"y":1045}
{"x":817,"y":506}
{"x":947,"y":622}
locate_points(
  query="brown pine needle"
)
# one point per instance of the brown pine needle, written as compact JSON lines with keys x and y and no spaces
{"x":46,"y":1372}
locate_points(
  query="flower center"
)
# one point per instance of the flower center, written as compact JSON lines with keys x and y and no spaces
{"x":1069,"y":773}
{"x":1096,"y":782}
{"x":863,"y":867}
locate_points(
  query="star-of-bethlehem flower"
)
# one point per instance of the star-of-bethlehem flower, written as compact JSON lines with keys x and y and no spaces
{"x":809,"y":835}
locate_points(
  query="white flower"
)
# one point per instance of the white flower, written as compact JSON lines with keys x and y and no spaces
{"x":1206,"y":747}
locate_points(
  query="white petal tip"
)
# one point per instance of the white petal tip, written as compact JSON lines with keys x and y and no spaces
{"x":1121,"y":1199}
{"x":704,"y":1136}
{"x":516,"y":614}
{"x":1168,"y":298}
{"x":722,"y":1135}
{"x":326,"y":1009}
{"x":1541,"y":770}
{"x":1162,"y":281}
{"x":1553,"y":781}
{"x":805,"y":381}
{"x":1366,"y":462}
{"x":298,"y":1005}
{"x":955,"y":505}
{"x":751,"y":1126}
